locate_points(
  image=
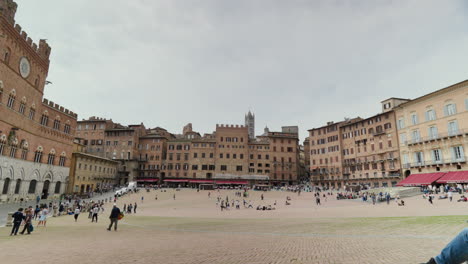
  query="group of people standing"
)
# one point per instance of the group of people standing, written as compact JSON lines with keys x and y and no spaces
{"x":128,"y":208}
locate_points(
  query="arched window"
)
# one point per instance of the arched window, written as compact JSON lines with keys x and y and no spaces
{"x":51,"y":157}
{"x":57,"y":123}
{"x":6,"y":186}
{"x":57,"y":187}
{"x":37,"y":81}
{"x":45,"y":118}
{"x":32,"y":186}
{"x":13,"y":147}
{"x":3,"y":140}
{"x":11,"y":99}
{"x":1,"y":91}
{"x":24,"y":149}
{"x":22,"y":106}
{"x":32,"y":111}
{"x":6,"y":55}
{"x":18,"y":186}
{"x":66,"y":128}
{"x":38,"y":154}
{"x":63,"y":158}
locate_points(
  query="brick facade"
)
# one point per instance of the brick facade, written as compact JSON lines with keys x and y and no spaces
{"x":36,"y":135}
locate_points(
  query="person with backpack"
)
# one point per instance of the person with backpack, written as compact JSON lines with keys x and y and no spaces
{"x":18,"y":217}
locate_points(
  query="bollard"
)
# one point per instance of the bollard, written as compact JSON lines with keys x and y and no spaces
{"x":9,"y":222}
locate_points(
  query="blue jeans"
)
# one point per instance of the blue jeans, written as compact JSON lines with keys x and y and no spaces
{"x":456,"y":251}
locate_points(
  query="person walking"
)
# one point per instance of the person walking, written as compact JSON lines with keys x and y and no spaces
{"x":430,"y":199}
{"x":261,"y":196}
{"x":142,"y":198}
{"x":77,"y":213}
{"x":114,"y":218}
{"x":27,"y":221}
{"x":450,"y":195}
{"x":18,"y":217}
{"x":36,"y":212}
{"x":134,"y":208}
{"x":174,"y":196}
{"x":125,"y":208}
{"x":95,"y":213}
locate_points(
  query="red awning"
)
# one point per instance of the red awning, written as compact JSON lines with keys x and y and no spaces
{"x":454,"y":177}
{"x":147,"y":180}
{"x":175,"y":180}
{"x":201,"y":181}
{"x":232,"y":182}
{"x":421,"y":179}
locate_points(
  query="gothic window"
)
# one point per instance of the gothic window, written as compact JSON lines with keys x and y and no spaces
{"x":45,"y":118}
{"x":32,"y":186}
{"x":57,"y":124}
{"x":2,"y":143}
{"x":32,"y":113}
{"x":38,"y":155}
{"x":6,"y":55}
{"x":1,"y":91}
{"x":11,"y":99}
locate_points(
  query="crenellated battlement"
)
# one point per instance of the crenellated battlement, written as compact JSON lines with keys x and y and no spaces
{"x":59,"y":108}
{"x":230,"y":126}
{"x":43,"y":50}
{"x":8,"y":11}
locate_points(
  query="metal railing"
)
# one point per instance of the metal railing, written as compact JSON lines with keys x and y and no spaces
{"x":459,"y":132}
{"x":434,"y":162}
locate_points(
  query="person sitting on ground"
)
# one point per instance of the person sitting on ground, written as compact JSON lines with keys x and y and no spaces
{"x":454,"y":252}
{"x":402,"y":203}
{"x":444,"y":196}
{"x":462,"y":199}
{"x":288,"y":203}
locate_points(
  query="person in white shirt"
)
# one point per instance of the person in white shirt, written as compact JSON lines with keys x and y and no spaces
{"x":95,"y":211}
{"x":450,"y":195}
{"x":77,"y":213}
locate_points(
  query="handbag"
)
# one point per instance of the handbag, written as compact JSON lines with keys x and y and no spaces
{"x":31,"y":228}
{"x":120,"y":216}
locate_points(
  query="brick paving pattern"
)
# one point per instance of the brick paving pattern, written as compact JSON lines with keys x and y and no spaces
{"x":162,"y":232}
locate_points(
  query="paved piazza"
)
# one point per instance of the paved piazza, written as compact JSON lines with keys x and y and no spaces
{"x":191,"y":229}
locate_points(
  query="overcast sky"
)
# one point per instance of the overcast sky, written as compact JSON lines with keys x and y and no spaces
{"x":168,"y":63}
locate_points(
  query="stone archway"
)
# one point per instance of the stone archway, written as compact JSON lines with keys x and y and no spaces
{"x":45,"y":189}
{"x":407,"y":173}
{"x":6,"y":186}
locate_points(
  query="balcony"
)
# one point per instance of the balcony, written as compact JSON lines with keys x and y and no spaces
{"x":439,"y":136}
{"x":434,"y":163}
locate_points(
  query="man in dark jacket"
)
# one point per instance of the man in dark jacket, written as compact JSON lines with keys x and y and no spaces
{"x":114,"y":217}
{"x":18,"y":217}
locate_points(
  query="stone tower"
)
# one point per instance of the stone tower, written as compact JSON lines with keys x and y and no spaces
{"x":8,"y":10}
{"x":250,"y":124}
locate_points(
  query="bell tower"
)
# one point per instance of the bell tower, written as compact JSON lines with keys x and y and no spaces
{"x":250,"y":124}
